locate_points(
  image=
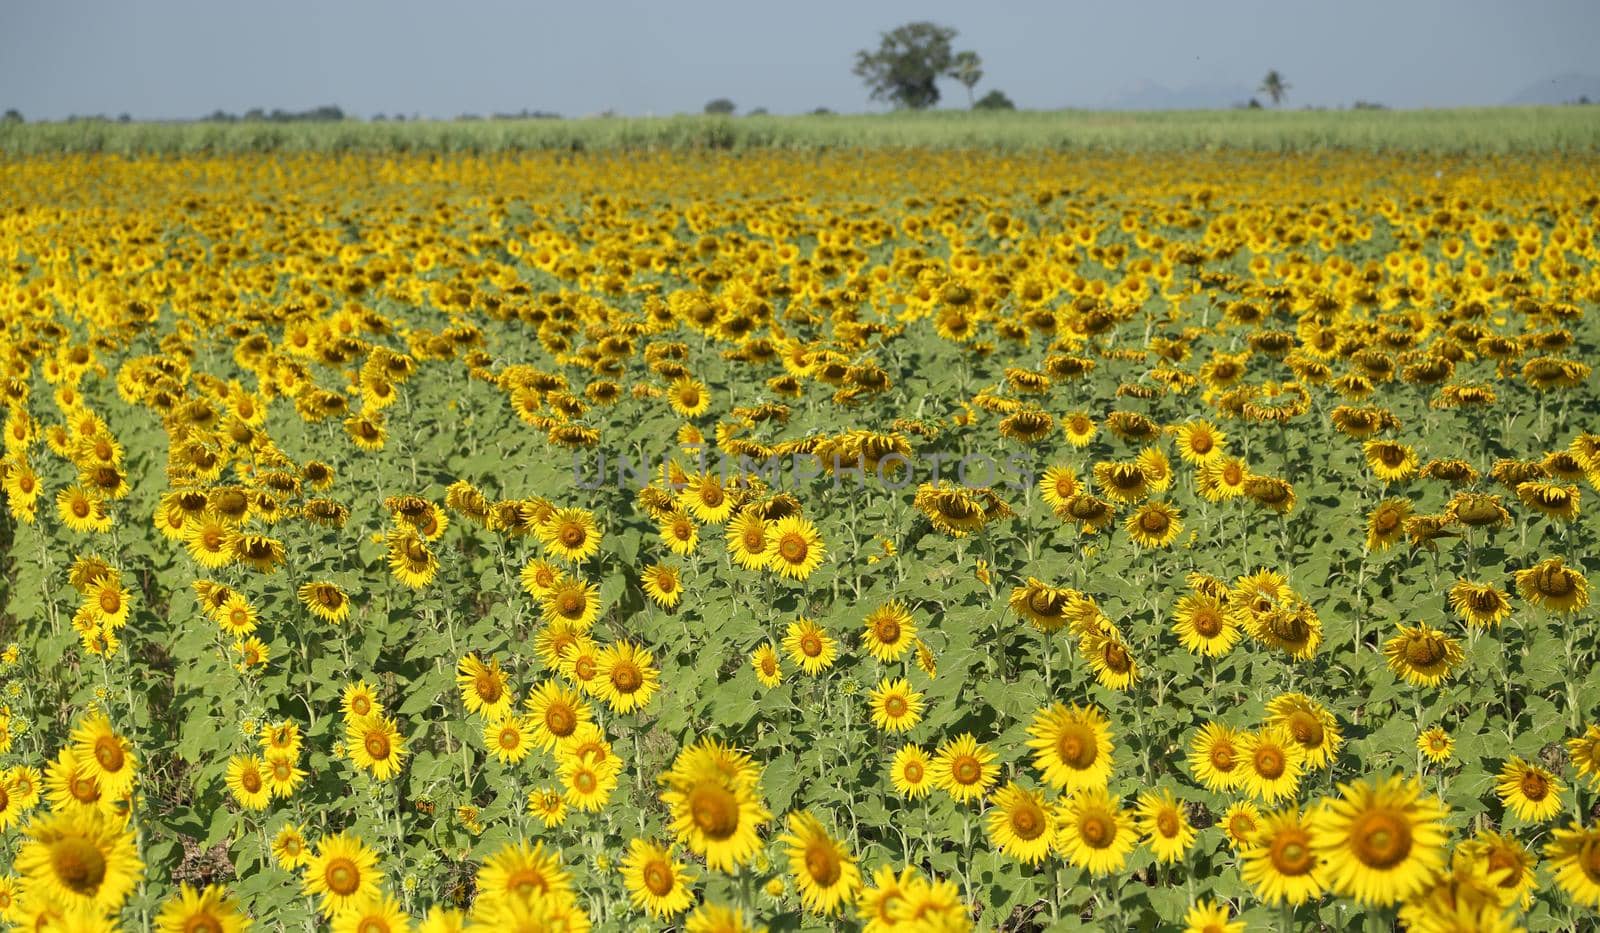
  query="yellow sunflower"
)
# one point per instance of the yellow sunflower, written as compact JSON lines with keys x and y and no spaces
{"x":1311,"y":725}
{"x":964,"y":768}
{"x":1280,"y":863}
{"x":796,"y":550}
{"x":375,"y":745}
{"x":1093,"y":832}
{"x":1482,"y":605}
{"x":1021,"y":824}
{"x":570,"y":535}
{"x":749,"y":540}
{"x":812,"y":648}
{"x":911,"y":772}
{"x":1573,"y":853}
{"x":1154,"y":524}
{"x":1435,"y":744}
{"x":1553,"y":586}
{"x":1422,"y":655}
{"x":1381,"y":840}
{"x":662,"y":584}
{"x":767,"y":666}
{"x":825,"y":873}
{"x":107,"y":755}
{"x":713,"y":799}
{"x":890,"y":631}
{"x":1531,"y":792}
{"x":1204,"y":625}
{"x":1218,"y":757}
{"x":485,"y":688}
{"x":626,"y":676}
{"x":80,"y":859}
{"x":655,"y":881}
{"x":895,"y":706}
{"x":1071,"y":746}
{"x":1165,"y":825}
{"x":209,"y":909}
{"x":1272,"y":763}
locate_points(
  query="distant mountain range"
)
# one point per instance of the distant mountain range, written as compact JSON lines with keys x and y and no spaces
{"x":1561,"y":89}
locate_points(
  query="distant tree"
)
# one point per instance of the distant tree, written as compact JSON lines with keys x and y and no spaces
{"x":721,"y":105}
{"x":994,"y":100}
{"x":124,"y":118}
{"x":967,"y":68}
{"x":1274,"y":87}
{"x":12,"y":116}
{"x":1253,"y":104}
{"x":1368,"y":105}
{"x":907,"y":65}
{"x":758,"y":112}
{"x":822,"y":112}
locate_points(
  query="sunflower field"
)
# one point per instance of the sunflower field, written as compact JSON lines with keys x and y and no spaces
{"x":861,"y":540}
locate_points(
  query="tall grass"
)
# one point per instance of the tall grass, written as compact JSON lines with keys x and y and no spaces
{"x":1484,"y":130}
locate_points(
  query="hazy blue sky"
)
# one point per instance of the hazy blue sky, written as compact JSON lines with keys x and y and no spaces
{"x":184,"y":59}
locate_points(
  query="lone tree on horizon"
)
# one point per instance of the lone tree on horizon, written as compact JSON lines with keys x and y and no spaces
{"x":967,"y":68}
{"x":1274,"y":87}
{"x":906,"y":67}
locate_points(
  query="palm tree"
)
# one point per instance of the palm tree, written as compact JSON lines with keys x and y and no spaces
{"x":967,"y":68}
{"x":1274,"y":87}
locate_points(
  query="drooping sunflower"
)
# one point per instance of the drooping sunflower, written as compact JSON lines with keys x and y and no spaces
{"x":1435,"y":744}
{"x":713,"y":798}
{"x":1482,"y":605}
{"x":485,"y":689}
{"x":812,"y":648}
{"x":1381,"y":840}
{"x":107,"y":755}
{"x":210,"y":909}
{"x":1386,"y":524}
{"x":1121,"y":482}
{"x":655,"y":880}
{"x":341,"y":871}
{"x":1559,"y":501}
{"x":1204,"y":625}
{"x":825,"y":873}
{"x":1422,"y":655}
{"x":964,"y":768}
{"x":1311,"y":724}
{"x":1573,"y":853}
{"x":1109,"y":657}
{"x":1044,"y":606}
{"x":1553,"y":586}
{"x":662,"y":584}
{"x":1155,"y":524}
{"x":1273,"y":762}
{"x":1281,"y":863}
{"x":767,"y":666}
{"x":1165,"y":825}
{"x":890,"y":631}
{"x":1390,"y":461}
{"x":911,"y":772}
{"x":796,"y":550}
{"x":375,"y":745}
{"x":1021,"y":824}
{"x":410,"y":559}
{"x":1072,"y":746}
{"x":1531,"y":792}
{"x":626,"y":676}
{"x":895,"y":706}
{"x":1093,"y":832}
{"x":326,"y":601}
